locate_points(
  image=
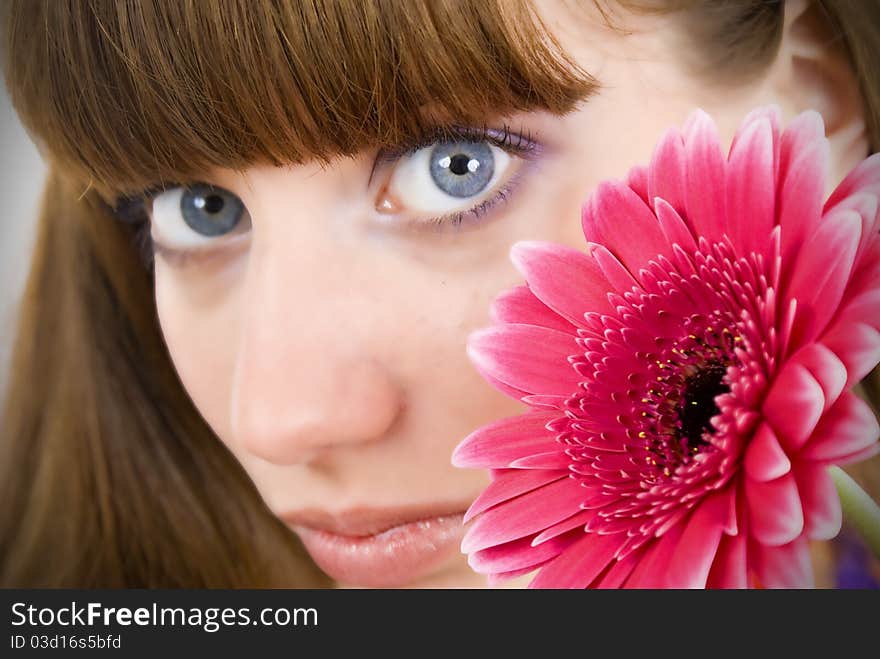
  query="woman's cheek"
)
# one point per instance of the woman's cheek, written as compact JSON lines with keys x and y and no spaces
{"x":200,"y":328}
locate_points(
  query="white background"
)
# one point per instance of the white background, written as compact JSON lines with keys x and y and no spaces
{"x":22,"y":176}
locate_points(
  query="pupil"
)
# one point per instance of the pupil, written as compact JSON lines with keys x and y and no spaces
{"x":459,"y":164}
{"x":698,"y":405}
{"x":213,"y":203}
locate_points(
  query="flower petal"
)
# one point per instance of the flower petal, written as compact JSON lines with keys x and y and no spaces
{"x":858,"y":456}
{"x":503,"y":441}
{"x":673,"y":226}
{"x":565,"y":279}
{"x":520,"y":306}
{"x":510,"y":354}
{"x":865,"y":177}
{"x":651,"y":570}
{"x":666,"y":173}
{"x":765,"y":459}
{"x":620,"y":570}
{"x":822,"y":513}
{"x":693,"y":557}
{"x":825,"y":264}
{"x":794,"y":405}
{"x":581,"y":563}
{"x":826,"y":367}
{"x":706,"y":204}
{"x":850,"y":426}
{"x":519,"y":555}
{"x":787,"y":566}
{"x":729,"y":568}
{"x":525,"y":515}
{"x":751,"y":187}
{"x":775,"y":513}
{"x":579,"y":519}
{"x":804,"y":158}
{"x":857,"y":345}
{"x":510,"y":484}
{"x":499,"y":578}
{"x":554,"y":459}
{"x":617,"y":275}
{"x":613,"y":215}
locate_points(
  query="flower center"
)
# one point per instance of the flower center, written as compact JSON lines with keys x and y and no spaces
{"x":685,"y":381}
{"x":698,"y":404}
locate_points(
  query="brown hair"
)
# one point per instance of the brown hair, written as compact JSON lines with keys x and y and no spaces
{"x":108,"y":474}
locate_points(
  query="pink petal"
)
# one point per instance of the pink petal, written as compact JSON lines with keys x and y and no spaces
{"x":866,"y":206}
{"x":553,"y":459}
{"x":857,"y":345}
{"x":519,"y":555}
{"x":824,"y":265}
{"x":771,"y":114}
{"x":794,"y":405}
{"x":787,"y":566}
{"x":861,"y":307}
{"x":525,"y":515}
{"x":666,"y":174}
{"x":519,"y":305}
{"x":858,"y":456}
{"x":693,"y":557}
{"x":581,"y":563}
{"x":729,"y":568}
{"x":866,"y":176}
{"x":775,"y":513}
{"x":765,"y":459}
{"x":706,"y":173}
{"x":566,"y":280}
{"x":826,"y":367}
{"x":674,"y":228}
{"x":822,"y":513}
{"x":850,"y":426}
{"x":620,"y":570}
{"x":499,"y":578}
{"x":637,"y":180}
{"x":651,"y":570}
{"x":503,"y":441}
{"x":804,"y":159}
{"x":508,"y":354}
{"x":751,"y":187}
{"x":510,"y":484}
{"x":618,"y":276}
{"x":540,"y":402}
{"x":613,"y":215}
{"x":578,"y":520}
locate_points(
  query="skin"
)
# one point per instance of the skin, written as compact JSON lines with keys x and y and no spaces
{"x":325,"y":347}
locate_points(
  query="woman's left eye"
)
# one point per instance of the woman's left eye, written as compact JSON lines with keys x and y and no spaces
{"x":447,"y":180}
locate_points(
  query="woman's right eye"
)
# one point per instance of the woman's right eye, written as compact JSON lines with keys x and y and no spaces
{"x":185,"y":218}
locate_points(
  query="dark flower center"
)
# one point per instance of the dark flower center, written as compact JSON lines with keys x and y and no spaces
{"x":698,"y":405}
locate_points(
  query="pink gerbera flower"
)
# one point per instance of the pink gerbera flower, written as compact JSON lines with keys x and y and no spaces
{"x":688,"y":375}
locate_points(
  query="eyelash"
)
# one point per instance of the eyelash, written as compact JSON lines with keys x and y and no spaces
{"x":522,"y":145}
{"x":132,"y":210}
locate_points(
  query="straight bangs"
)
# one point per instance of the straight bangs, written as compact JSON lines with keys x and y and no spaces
{"x":128,"y":95}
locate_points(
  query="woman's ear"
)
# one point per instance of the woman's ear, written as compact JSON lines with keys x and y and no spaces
{"x":812,"y":70}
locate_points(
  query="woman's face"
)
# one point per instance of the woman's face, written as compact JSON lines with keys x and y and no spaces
{"x":320,"y":327}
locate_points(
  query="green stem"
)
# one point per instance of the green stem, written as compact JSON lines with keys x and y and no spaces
{"x":860,"y":510}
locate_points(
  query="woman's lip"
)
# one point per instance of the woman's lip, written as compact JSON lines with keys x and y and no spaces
{"x":376,"y":549}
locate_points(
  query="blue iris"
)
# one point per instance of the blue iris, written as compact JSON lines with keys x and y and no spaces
{"x":209,"y":210}
{"x":462,"y":169}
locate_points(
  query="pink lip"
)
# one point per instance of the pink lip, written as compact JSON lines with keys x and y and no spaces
{"x":379,"y":548}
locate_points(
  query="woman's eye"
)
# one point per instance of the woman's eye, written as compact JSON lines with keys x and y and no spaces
{"x":445,"y":178}
{"x":193,"y":216}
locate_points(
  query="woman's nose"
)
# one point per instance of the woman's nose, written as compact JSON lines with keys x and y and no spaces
{"x":308,"y":378}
